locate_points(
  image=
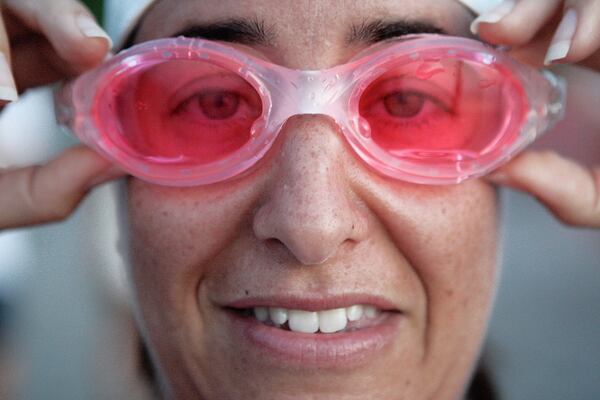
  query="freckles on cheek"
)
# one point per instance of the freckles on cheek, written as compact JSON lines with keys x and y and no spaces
{"x":180,"y":229}
{"x":159,"y":235}
{"x":450,"y":240}
{"x":459,"y":242}
{"x":458,"y":269}
{"x":449,"y":235}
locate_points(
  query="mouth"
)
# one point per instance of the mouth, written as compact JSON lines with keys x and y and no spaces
{"x":331,"y":333}
{"x":345,"y":319}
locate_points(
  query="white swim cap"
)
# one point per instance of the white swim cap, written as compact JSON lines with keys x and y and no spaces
{"x":120,"y":16}
{"x":481,"y":6}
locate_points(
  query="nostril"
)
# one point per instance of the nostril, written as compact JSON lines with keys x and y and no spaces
{"x":304,"y":254}
{"x":274,"y":244}
{"x":295,"y":255}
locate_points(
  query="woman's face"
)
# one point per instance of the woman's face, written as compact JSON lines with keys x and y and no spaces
{"x":311,"y":228}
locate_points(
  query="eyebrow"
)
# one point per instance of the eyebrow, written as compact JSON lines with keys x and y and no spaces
{"x":378,"y":30}
{"x":256,"y":32}
{"x":231,"y":30}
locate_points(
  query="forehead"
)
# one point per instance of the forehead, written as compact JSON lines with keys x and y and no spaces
{"x":305,"y":33}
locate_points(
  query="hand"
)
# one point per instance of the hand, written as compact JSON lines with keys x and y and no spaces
{"x":50,"y":40}
{"x":552,"y":32}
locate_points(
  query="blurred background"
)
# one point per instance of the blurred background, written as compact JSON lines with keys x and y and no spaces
{"x":66,"y":330}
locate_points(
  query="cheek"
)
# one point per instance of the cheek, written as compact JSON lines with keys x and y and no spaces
{"x":449,"y":237}
{"x":174,"y":235}
{"x":457,"y":249}
{"x":453,"y":247}
{"x":459,"y":277}
{"x":456,"y":257}
{"x":449,"y":234}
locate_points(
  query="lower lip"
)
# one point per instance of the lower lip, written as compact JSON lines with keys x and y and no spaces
{"x":306,"y":350}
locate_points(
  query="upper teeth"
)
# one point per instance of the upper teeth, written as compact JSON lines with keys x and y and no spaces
{"x":326,"y":321}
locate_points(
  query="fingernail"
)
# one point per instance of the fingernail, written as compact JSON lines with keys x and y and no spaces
{"x":563,"y":38}
{"x":8,"y":89}
{"x":89,"y":28}
{"x":493,"y":16}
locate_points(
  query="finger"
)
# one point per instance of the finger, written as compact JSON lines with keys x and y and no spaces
{"x":569,"y":190}
{"x":68,"y":25}
{"x":34,"y":60}
{"x":51,"y":192}
{"x":578,"y":35}
{"x":515,"y":23}
{"x":8,"y":89}
{"x":35,"y":63}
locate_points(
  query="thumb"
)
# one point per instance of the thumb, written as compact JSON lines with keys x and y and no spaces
{"x":51,"y":192}
{"x":69,"y":27}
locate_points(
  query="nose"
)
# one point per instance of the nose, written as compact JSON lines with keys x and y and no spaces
{"x":309,"y":206}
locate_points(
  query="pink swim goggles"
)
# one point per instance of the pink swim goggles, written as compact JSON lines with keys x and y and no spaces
{"x":426,"y":109}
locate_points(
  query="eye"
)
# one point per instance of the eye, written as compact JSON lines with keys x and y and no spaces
{"x":217,"y":104}
{"x":404,"y":104}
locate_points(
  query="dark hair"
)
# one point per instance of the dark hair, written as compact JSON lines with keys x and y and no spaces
{"x":4,"y":318}
{"x":482,"y":386}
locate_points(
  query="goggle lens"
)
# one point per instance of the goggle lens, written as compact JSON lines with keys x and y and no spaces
{"x":450,"y":108}
{"x":182,"y":112}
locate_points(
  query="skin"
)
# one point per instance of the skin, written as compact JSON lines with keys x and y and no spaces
{"x":309,"y":217}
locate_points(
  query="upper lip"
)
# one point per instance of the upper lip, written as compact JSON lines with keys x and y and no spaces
{"x":313,"y":303}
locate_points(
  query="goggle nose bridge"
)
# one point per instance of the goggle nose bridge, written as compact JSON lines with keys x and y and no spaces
{"x":309,"y":92}
{"x":312,"y":92}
